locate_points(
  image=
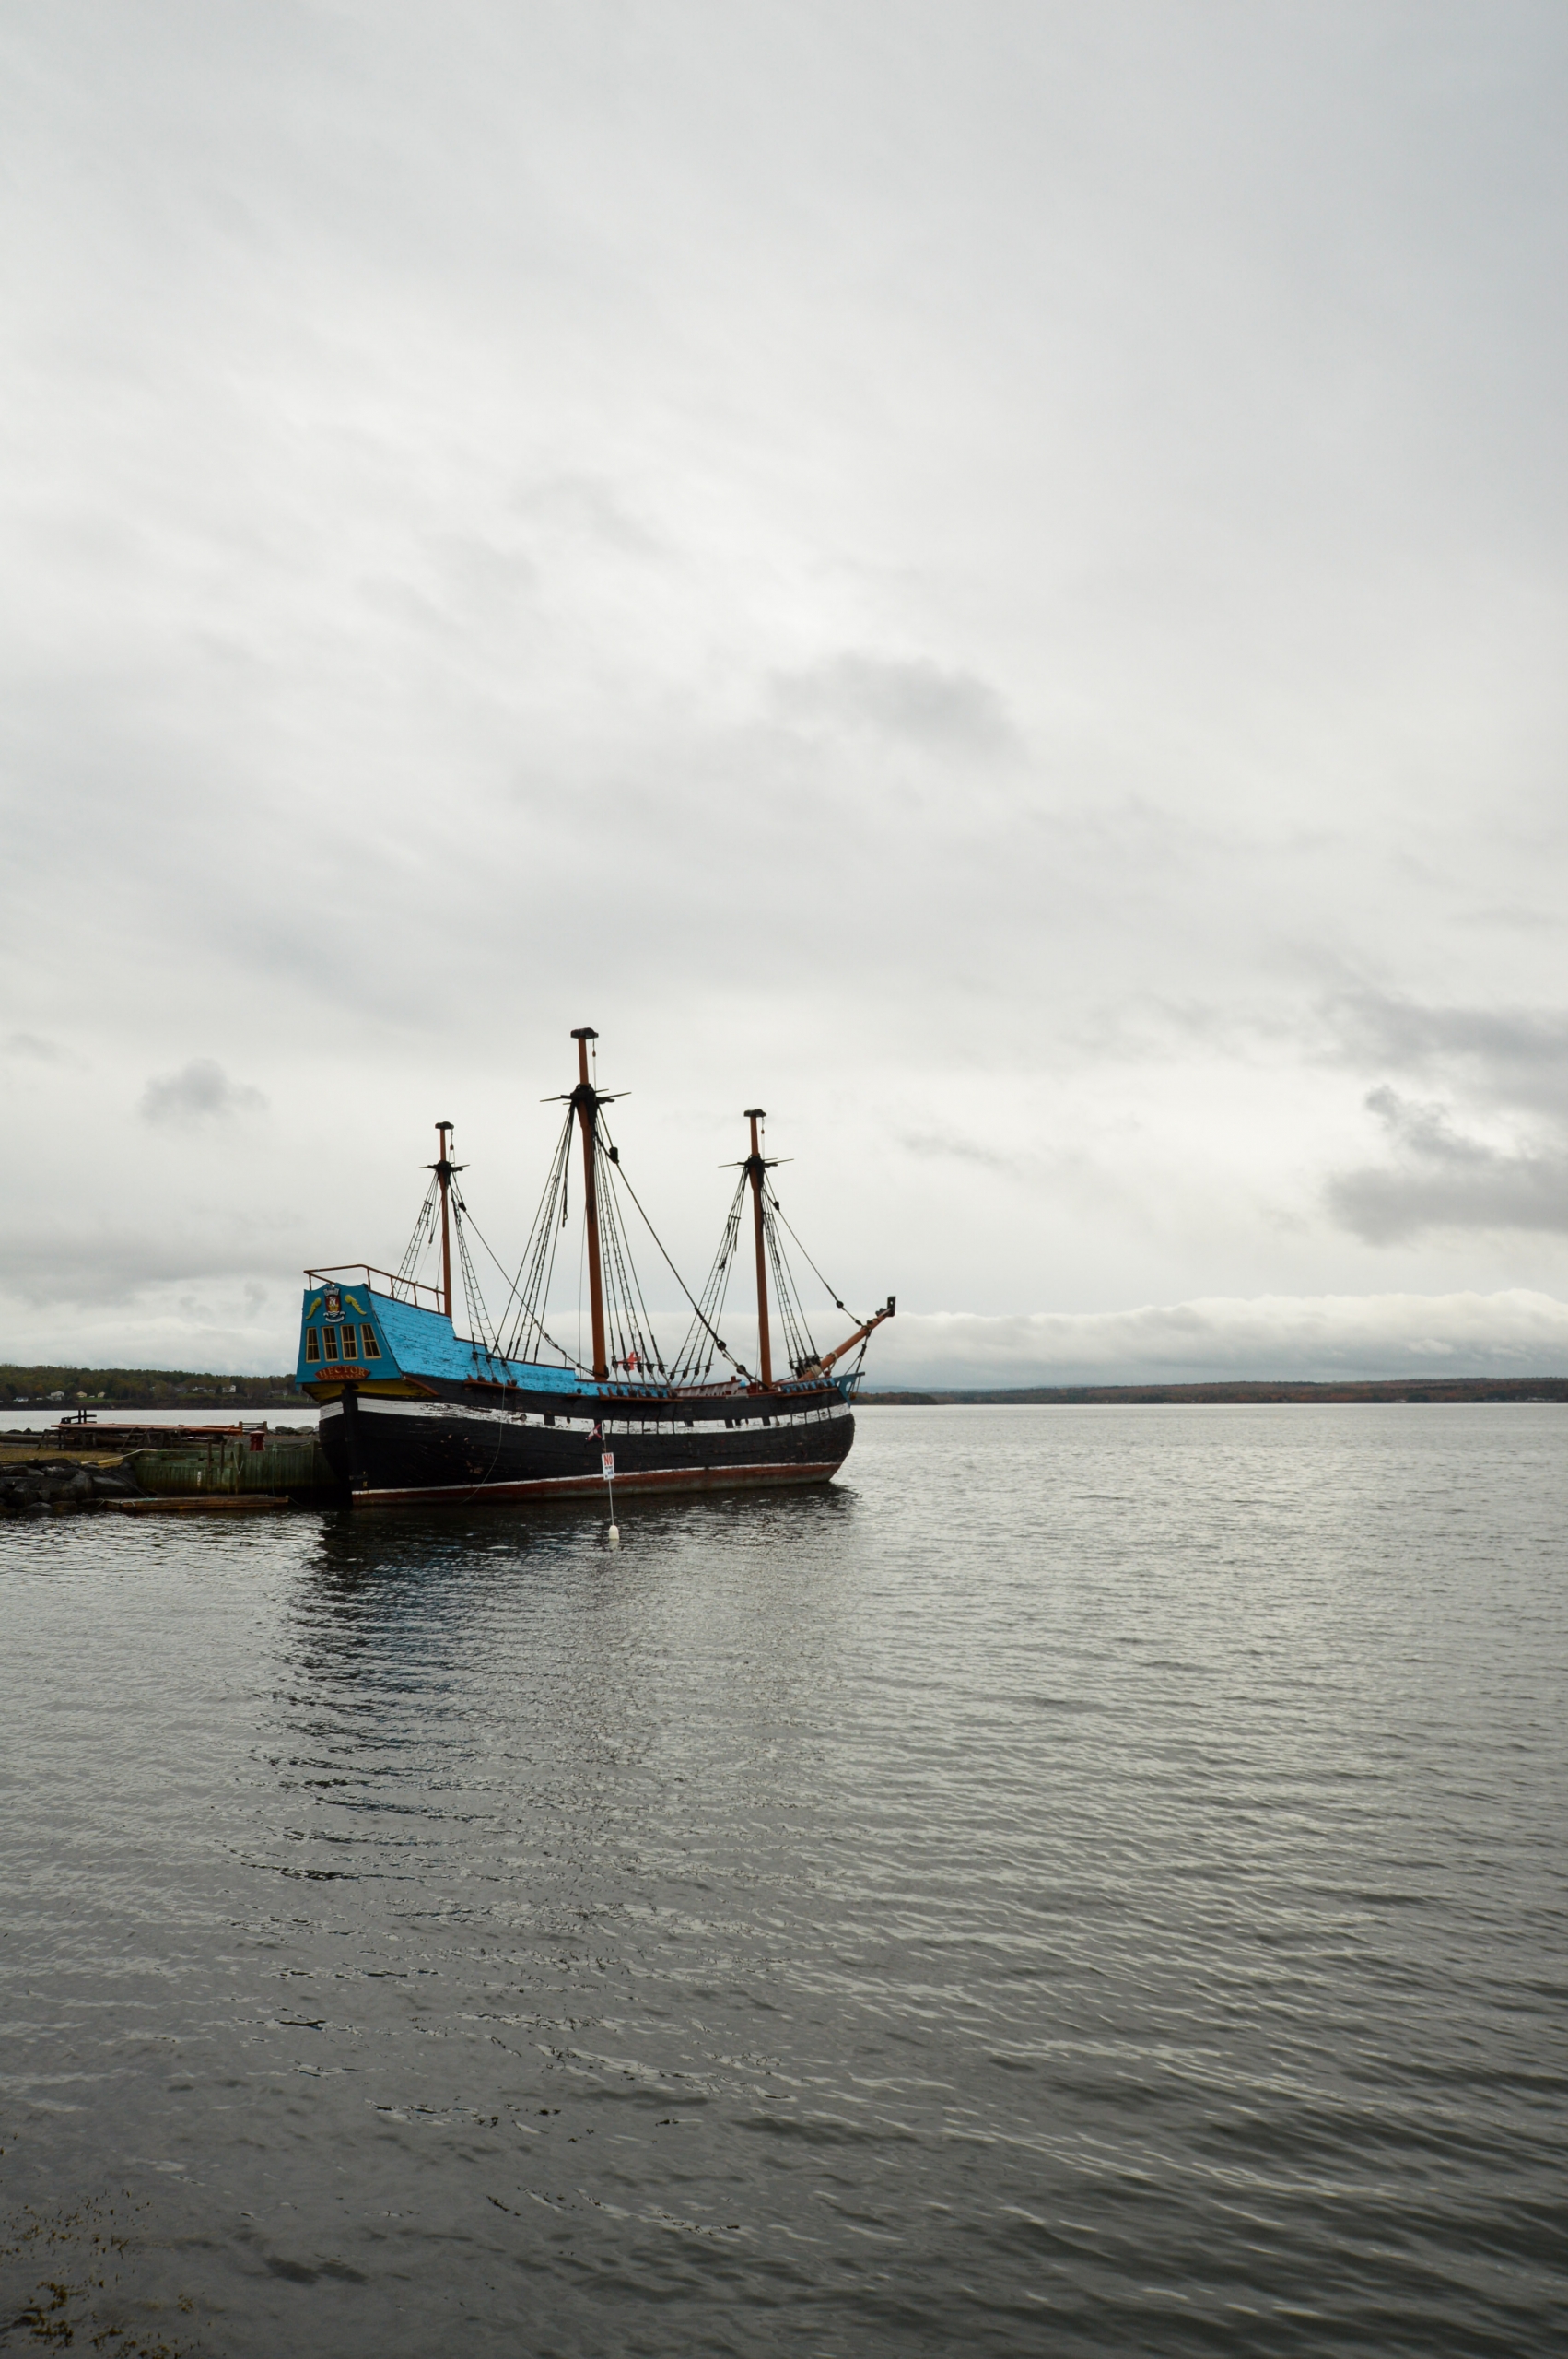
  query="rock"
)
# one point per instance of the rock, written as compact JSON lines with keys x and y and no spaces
{"x":42,"y":1485}
{"x":115,"y":1483}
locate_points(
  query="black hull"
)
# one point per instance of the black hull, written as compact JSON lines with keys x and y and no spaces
{"x":388,"y":1452}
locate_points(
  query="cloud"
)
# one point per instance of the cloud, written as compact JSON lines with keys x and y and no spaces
{"x":912,"y":632}
{"x":1442,"y":1179}
{"x":35,"y":1050}
{"x":1308,"y":1337}
{"x":1511,"y":1056}
{"x":65,"y":1265}
{"x":961,"y":1149}
{"x":1443,"y":1176}
{"x":239,"y":1327}
{"x":200,"y":1092}
{"x":586,"y":505}
{"x":915,"y":702}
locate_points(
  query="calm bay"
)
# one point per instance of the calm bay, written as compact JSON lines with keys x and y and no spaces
{"x":1091,"y":1880}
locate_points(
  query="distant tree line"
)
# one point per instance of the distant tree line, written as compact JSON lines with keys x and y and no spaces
{"x":65,"y":1389}
{"x":1397,"y":1388}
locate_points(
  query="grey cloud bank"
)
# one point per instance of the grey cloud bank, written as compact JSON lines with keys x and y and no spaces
{"x":1442,"y":1179}
{"x":1313,"y":1339}
{"x":991,"y":581}
{"x":1516,"y":1055}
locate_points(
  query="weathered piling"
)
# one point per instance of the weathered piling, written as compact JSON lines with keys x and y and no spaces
{"x":217,"y":1464}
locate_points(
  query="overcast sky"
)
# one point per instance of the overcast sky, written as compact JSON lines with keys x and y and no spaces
{"x":988,"y":578}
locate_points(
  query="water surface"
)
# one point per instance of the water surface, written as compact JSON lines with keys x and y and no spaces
{"x":1091,"y":1881}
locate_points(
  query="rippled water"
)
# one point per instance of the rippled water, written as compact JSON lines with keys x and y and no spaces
{"x":1092,"y":1881}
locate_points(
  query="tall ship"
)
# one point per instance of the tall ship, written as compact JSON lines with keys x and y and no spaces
{"x":414,"y":1412}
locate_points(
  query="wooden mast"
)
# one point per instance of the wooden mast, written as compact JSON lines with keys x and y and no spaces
{"x":755,"y":1166}
{"x":443,"y":1168}
{"x":585,"y":1097}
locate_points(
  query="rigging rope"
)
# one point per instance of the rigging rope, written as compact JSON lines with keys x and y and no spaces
{"x":478,"y":1316}
{"x":423,"y":1237}
{"x":837,"y":1302}
{"x":531,"y":1286}
{"x":622,"y":1272}
{"x":799,"y":1343}
{"x":682,"y":1284}
{"x":632,"y":1344}
{"x":693,"y":1362}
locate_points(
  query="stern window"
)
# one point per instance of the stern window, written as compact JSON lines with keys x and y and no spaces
{"x":312,"y":1343}
{"x":348,"y":1341}
{"x":369,"y":1345}
{"x":329,"y":1336}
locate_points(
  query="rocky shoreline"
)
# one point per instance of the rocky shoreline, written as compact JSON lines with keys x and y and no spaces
{"x":58,"y":1486}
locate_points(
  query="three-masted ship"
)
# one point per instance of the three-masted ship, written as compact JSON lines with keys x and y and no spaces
{"x":412,"y":1410}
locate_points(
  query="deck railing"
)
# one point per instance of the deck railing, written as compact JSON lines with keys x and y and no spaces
{"x":409,"y":1290}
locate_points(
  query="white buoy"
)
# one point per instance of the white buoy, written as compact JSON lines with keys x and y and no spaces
{"x":608,"y":1464}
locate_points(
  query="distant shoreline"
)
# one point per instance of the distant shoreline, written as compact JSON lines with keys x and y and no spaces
{"x":61,"y":1393}
{"x":1387,"y":1388}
